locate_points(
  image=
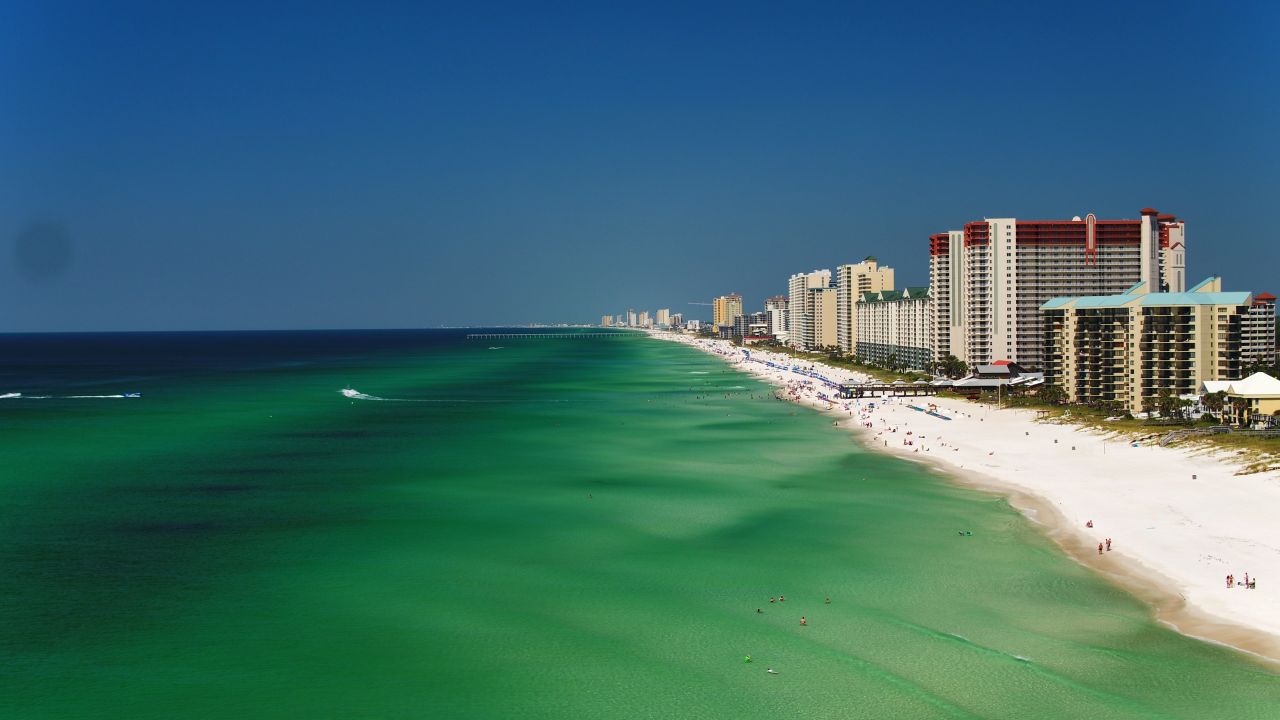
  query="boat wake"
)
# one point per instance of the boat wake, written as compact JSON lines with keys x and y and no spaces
{"x":357,"y":395}
{"x":20,"y":396}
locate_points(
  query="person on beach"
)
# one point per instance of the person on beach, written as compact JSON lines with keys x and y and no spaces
{"x":1230,"y":580}
{"x":1108,"y":544}
{"x":1089,"y":524}
{"x":1099,"y":548}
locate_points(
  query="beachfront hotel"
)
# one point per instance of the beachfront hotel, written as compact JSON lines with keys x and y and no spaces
{"x":820,"y":330}
{"x":724,"y":309}
{"x":800,"y":305}
{"x":1258,"y":331}
{"x":990,"y":279}
{"x":895,"y":328}
{"x":1129,"y":347}
{"x":776,"y":310}
{"x":852,"y":281}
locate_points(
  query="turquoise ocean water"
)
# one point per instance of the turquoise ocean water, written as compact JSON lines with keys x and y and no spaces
{"x":548,"y":529}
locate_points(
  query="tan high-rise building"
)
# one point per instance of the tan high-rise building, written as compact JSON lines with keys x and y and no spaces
{"x":820,"y":331}
{"x":664,"y":317}
{"x":606,"y":321}
{"x":852,"y":281}
{"x":724,"y":309}
{"x":800,"y":305}
{"x":990,"y":279}
{"x":1125,"y":349}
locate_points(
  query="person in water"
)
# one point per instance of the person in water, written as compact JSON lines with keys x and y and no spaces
{"x":759,"y":611}
{"x":828,"y":601}
{"x":803,"y":621}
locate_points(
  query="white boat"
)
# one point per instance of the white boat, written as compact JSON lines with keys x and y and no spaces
{"x":351,"y":393}
{"x":10,"y":396}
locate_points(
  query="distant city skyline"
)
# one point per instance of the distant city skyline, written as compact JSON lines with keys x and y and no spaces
{"x":190,"y":168}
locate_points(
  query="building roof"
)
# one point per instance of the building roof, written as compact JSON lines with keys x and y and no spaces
{"x":1258,"y":384}
{"x":910,"y":293}
{"x":1264,"y":296}
{"x":1137,"y":295}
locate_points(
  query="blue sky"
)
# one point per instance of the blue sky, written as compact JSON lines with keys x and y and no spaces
{"x":314,"y":165}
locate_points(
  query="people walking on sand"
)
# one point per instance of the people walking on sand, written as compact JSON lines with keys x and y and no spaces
{"x":1108,"y":544}
{"x":1099,"y":548}
{"x":1230,"y":580}
{"x":1089,"y":524}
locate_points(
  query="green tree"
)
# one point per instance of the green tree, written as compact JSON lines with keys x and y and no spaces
{"x":1052,"y":394}
{"x":1215,"y":401}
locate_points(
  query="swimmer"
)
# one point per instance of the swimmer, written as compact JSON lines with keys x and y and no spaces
{"x":803,"y":621}
{"x":771,"y":671}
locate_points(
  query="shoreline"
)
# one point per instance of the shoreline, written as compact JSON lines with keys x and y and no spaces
{"x":1180,"y":520}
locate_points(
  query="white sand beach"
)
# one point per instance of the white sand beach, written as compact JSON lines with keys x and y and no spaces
{"x":1178,"y":522}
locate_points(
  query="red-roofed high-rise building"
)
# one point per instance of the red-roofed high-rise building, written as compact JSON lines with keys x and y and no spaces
{"x":990,"y":279}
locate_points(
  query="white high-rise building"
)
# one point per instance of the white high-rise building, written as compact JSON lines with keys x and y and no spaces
{"x":776,"y":310}
{"x":990,"y":279}
{"x":800,"y":304}
{"x":851,"y":282}
{"x":896,"y":328}
{"x":1258,"y":331}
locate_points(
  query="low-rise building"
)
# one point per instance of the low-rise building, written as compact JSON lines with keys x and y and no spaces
{"x":1129,"y":349}
{"x":895,"y":328}
{"x":1255,"y":400}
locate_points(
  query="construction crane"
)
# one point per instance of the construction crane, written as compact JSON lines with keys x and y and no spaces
{"x":698,"y":303}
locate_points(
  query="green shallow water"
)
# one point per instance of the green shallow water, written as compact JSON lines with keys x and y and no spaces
{"x":570,"y":529}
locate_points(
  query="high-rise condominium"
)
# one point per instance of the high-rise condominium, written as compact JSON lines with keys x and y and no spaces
{"x":990,"y":279}
{"x":725,"y":309}
{"x":800,"y":305}
{"x":776,"y":310}
{"x":852,"y":281}
{"x":1127,"y":349}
